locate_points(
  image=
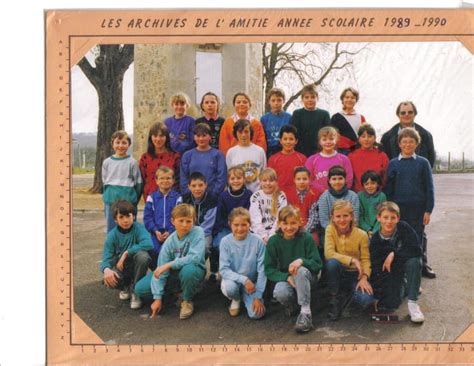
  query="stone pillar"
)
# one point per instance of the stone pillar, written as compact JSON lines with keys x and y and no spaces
{"x":162,"y":70}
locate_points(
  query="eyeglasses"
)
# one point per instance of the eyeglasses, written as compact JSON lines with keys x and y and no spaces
{"x":402,"y":113}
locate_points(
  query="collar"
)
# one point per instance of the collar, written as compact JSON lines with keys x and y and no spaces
{"x":375,"y":194}
{"x":354,"y":112}
{"x":212,"y":118}
{"x":235,"y":117}
{"x":328,"y":155}
{"x":400,"y":157}
{"x":400,"y":127}
{"x":124,"y":231}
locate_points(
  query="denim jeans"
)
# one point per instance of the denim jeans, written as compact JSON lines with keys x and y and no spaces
{"x":284,"y":293}
{"x":340,"y":279}
{"x":236,"y":291}
{"x":109,"y":217}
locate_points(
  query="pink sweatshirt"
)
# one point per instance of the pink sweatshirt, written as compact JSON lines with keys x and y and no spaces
{"x":319,"y":165}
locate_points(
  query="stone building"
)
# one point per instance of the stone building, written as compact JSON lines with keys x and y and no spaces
{"x":164,"y":69}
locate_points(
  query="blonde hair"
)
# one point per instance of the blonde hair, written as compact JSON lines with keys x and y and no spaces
{"x":164,"y":169}
{"x":341,"y":204}
{"x":180,"y":97}
{"x":239,"y":212}
{"x":388,"y":206}
{"x":234,"y":170}
{"x":287,"y":212}
{"x":271,"y":174}
{"x":183,"y":210}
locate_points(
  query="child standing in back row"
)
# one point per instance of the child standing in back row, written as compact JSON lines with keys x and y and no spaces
{"x":320,"y":163}
{"x":274,"y":120}
{"x":120,"y":177}
{"x":308,"y":121}
{"x":210,"y":104}
{"x":180,"y":125}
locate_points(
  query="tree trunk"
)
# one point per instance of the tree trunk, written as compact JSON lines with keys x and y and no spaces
{"x":107,"y":79}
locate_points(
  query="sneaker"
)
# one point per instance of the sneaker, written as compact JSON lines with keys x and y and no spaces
{"x":234,"y":308}
{"x":304,"y":323}
{"x":416,"y":316}
{"x":124,"y":295}
{"x":135,"y":302}
{"x":291,"y":309}
{"x":187,"y":309}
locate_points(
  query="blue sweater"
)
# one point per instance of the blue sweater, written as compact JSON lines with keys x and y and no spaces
{"x":226,"y":202}
{"x":118,"y":241}
{"x":157,"y":214}
{"x":181,"y":133}
{"x":210,"y":163}
{"x":272,"y":123}
{"x":180,"y":252}
{"x":410,"y":182}
{"x":326,"y":201}
{"x":206,"y":210}
{"x":240,"y":260}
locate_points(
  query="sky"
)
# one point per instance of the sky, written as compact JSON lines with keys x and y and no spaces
{"x":22,"y":308}
{"x":436,"y":76}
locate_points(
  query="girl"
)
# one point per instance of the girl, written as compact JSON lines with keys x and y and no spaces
{"x":250,"y":157}
{"x":347,"y":255}
{"x":210,"y":104}
{"x":370,"y":199}
{"x":236,"y":195}
{"x":241,"y":266}
{"x":320,"y":163}
{"x":347,"y":121}
{"x":205,"y":159}
{"x":180,"y":125}
{"x":159,"y":152}
{"x":242,"y":104}
{"x":368,"y":157}
{"x":292,"y":261}
{"x":265,"y":205}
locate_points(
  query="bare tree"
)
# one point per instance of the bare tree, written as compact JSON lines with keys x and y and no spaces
{"x":304,"y":63}
{"x":107,"y":78}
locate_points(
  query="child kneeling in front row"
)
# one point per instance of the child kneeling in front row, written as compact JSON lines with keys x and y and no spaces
{"x":292,"y":261}
{"x":395,"y":253}
{"x":125,"y":258}
{"x":181,"y":265}
{"x":241,"y":266}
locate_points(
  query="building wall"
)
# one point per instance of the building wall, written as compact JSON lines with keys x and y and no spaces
{"x":162,"y":70}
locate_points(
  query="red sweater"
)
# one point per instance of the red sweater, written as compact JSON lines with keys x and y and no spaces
{"x":149,"y":165}
{"x":363,"y":160}
{"x":284,"y":165}
{"x":311,"y":196}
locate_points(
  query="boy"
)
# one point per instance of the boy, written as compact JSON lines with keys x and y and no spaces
{"x":120,"y":176}
{"x":337,"y":190}
{"x":274,"y":120}
{"x":309,"y":120}
{"x":157,"y":212}
{"x":180,"y":264}
{"x":303,"y":197}
{"x":395,"y":253}
{"x":410,"y":186}
{"x":205,"y":159}
{"x":287,"y":159}
{"x":125,"y":258}
{"x":204,"y":203}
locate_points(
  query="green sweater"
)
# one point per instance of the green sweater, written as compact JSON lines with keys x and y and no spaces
{"x":368,"y":210}
{"x":117,"y":242}
{"x":281,"y":252}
